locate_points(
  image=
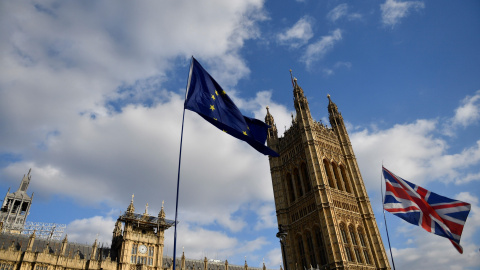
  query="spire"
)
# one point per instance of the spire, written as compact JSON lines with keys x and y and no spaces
{"x":64,"y":246}
{"x":146,"y":211}
{"x":335,"y":116}
{"x":332,"y":107}
{"x":182,"y":265}
{"x":31,"y":239}
{"x":25,"y":181}
{"x":131,"y":208}
{"x":162,"y":212}
{"x":93,"y":255}
{"x":272,"y":131}
{"x":300,"y":102}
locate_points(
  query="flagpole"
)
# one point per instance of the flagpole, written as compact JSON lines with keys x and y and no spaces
{"x":178,"y":174}
{"x":384,"y":218}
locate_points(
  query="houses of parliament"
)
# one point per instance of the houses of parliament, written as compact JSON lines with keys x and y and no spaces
{"x":325,"y":219}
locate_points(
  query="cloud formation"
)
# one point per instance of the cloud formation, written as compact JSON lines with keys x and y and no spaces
{"x":317,"y":50}
{"x":393,"y":11}
{"x":299,"y":34}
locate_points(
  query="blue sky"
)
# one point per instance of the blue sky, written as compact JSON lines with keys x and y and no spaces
{"x":91,"y":97}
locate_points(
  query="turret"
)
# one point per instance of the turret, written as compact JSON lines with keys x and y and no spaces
{"x":25,"y":181}
{"x":64,"y":246}
{"x":301,"y":104}
{"x":272,"y":131}
{"x":131,"y":207}
{"x":94,"y":250}
{"x":182,"y":264}
{"x":31,"y":239}
{"x":335,"y":116}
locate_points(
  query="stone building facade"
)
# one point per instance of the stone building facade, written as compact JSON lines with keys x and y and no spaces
{"x":323,"y":211}
{"x":137,"y":244}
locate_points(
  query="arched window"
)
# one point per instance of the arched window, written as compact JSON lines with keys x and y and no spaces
{"x":345,"y":242}
{"x":298,"y":183}
{"x":364,"y":245}
{"x":320,"y":246}
{"x":337,"y":177}
{"x":357,"y":257}
{"x":291,"y":191}
{"x":306,"y":180}
{"x":311,"y":250}
{"x":331,"y":183}
{"x":301,"y":251}
{"x":346,"y":180}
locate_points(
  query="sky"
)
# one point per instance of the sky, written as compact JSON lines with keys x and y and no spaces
{"x":92,"y":92}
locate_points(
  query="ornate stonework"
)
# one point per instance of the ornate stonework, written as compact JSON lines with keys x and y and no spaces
{"x":324,"y":214}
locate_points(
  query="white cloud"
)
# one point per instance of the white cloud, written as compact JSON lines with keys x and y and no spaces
{"x":393,"y":11}
{"x":317,"y":50}
{"x":338,"y":12}
{"x":341,"y":11}
{"x":274,"y":258}
{"x":414,"y":152}
{"x":66,"y":58}
{"x":336,"y":66}
{"x":469,"y":112}
{"x":63,"y":62}
{"x":299,"y":34}
{"x":267,"y":217}
{"x":85,"y":231}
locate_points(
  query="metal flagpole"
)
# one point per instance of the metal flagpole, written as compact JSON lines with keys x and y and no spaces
{"x":178,"y":175}
{"x":386,"y":229}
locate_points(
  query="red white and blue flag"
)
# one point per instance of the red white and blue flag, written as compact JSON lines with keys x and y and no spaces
{"x":435,"y":213}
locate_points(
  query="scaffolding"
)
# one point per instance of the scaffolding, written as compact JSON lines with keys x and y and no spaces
{"x":48,"y":231}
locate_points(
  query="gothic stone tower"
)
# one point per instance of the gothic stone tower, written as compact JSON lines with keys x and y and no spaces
{"x":322,"y":206}
{"x":16,"y":206}
{"x":139,"y":246}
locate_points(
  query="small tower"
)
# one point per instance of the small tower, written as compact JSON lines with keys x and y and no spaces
{"x":16,"y":206}
{"x":323,"y":210}
{"x":140,"y":243}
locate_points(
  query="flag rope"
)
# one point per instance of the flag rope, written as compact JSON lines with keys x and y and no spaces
{"x":178,"y":174}
{"x":384,"y":218}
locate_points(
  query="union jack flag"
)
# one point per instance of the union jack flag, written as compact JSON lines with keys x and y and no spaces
{"x":435,"y":213}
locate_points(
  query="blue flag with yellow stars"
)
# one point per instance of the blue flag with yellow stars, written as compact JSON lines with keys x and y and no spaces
{"x":207,"y":98}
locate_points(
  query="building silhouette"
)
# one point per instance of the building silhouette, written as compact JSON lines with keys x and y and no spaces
{"x":323,"y":211}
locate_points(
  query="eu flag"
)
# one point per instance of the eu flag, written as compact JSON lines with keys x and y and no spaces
{"x":207,"y":98}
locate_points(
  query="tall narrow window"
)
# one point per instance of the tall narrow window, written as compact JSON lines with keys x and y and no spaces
{"x":337,"y":177}
{"x":311,"y":250}
{"x":346,"y":180}
{"x":298,"y":183}
{"x":306,"y":180}
{"x":320,"y":246}
{"x":344,"y":234}
{"x":367,"y":258}
{"x":354,"y":243}
{"x":301,"y":249}
{"x":345,"y":242}
{"x":331,"y":183}
{"x":364,"y":247}
{"x":291,"y":191}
